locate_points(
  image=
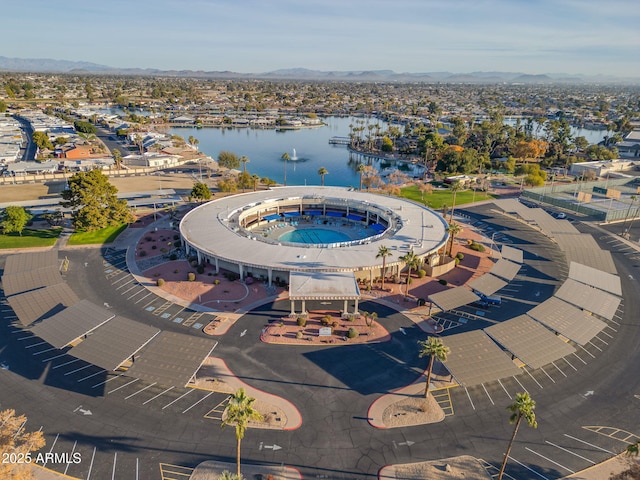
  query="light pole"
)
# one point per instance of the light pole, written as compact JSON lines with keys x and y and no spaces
{"x":633,"y":199}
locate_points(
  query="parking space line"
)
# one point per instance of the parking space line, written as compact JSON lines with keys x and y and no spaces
{"x":78,"y":369}
{"x":469,"y":397}
{"x":203,"y":398}
{"x":609,"y":326}
{"x":115,"y":460}
{"x":141,"y":390}
{"x":558,"y":368}
{"x":75,"y":444}
{"x":44,"y":351}
{"x":569,"y":451}
{"x":120,"y":279}
{"x":122,"y":386}
{"x":91,"y":376}
{"x":53,"y":358}
{"x":156,"y":298}
{"x":35,"y":345}
{"x":532,"y":377}
{"x":128,"y":289}
{"x":51,"y":449}
{"x":161,"y":393}
{"x":125,"y":284}
{"x":590,"y":444}
{"x":516,"y":379}
{"x":91,"y":464}
{"x":549,"y":460}
{"x":107,"y":380}
{"x":545,"y":372}
{"x":505,"y":390}
{"x":485,"y":391}
{"x":67,"y":363}
{"x":588,"y":352}
{"x":602,"y":339}
{"x":181,"y":396}
{"x":137,"y":293}
{"x":578,"y":357}
{"x":594,"y":346}
{"x":528,"y":468}
{"x":140,"y":299}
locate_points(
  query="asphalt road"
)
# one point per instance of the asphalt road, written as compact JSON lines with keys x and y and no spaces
{"x":585,"y":403}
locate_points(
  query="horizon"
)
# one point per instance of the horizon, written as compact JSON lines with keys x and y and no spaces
{"x":570,"y":37}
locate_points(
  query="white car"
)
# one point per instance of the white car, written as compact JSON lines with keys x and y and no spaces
{"x":561,"y":216}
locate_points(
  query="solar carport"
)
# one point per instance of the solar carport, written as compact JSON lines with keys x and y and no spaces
{"x":114,"y":343}
{"x":172,"y":359}
{"x":530,"y":341}
{"x":487,"y":284}
{"x":474,"y":358}
{"x":36,"y":305}
{"x":589,"y":298}
{"x":453,"y":298}
{"x":72,"y":323}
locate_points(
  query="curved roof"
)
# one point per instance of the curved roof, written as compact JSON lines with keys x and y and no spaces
{"x":208,"y":228}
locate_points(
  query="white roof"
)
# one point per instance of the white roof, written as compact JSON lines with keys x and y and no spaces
{"x":323,"y":286}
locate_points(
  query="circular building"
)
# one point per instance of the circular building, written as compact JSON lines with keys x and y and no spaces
{"x":268,"y":234}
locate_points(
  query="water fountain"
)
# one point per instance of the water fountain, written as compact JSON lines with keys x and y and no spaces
{"x":294,"y":156}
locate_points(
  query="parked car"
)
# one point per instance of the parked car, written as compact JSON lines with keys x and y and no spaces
{"x":561,"y":216}
{"x":491,"y":299}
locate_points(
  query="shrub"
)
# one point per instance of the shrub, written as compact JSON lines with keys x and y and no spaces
{"x":163,"y":250}
{"x":191,"y":276}
{"x":326,"y":320}
{"x":352,"y":333}
{"x":176,"y":271}
{"x":299,"y":334}
{"x":160,"y":282}
{"x":200,"y":269}
{"x":301,"y":321}
{"x":478,"y":247}
{"x":442,"y":281}
{"x":216,"y":282}
{"x":176,"y":237}
{"x":421,"y":302}
{"x":143,"y":253}
{"x":460,"y":255}
{"x":148,"y":239}
{"x":177,"y":244}
{"x":469,"y":241}
{"x":422,"y":273}
{"x":457,"y":261}
{"x":153,"y":247}
{"x":173,"y":256}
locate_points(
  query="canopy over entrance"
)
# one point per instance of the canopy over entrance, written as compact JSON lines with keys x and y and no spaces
{"x":323,"y":286}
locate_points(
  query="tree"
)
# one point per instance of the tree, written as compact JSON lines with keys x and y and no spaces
{"x":227,"y":475}
{"x":523,"y":407}
{"x":454,"y":229}
{"x":383,"y":252}
{"x":361,"y":170}
{"x":200,"y":191}
{"x":454,"y":188}
{"x":15,"y":218}
{"x":15,"y":440}
{"x":286,"y":157}
{"x":117,"y":158}
{"x":322,"y":172}
{"x":85,"y":127}
{"x":193,"y":141}
{"x":228,"y":159}
{"x":412,"y":261}
{"x":94,"y":202}
{"x":41,"y":140}
{"x":244,"y":160}
{"x":237,"y":414}
{"x":434,"y":349}
{"x":256,"y":180}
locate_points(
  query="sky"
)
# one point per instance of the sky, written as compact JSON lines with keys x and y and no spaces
{"x":590,"y":37}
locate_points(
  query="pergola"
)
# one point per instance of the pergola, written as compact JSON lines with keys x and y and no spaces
{"x":305,"y":286}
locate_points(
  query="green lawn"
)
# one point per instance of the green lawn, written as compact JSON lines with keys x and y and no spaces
{"x":438,"y":198}
{"x":30,"y":238}
{"x":104,"y":235}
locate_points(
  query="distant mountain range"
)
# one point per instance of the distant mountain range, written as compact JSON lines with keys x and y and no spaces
{"x":47,"y":65}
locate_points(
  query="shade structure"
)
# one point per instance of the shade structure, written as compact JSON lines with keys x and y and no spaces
{"x":171,"y":359}
{"x":487,"y":284}
{"x":273,"y":216}
{"x":26,"y":281}
{"x":585,"y":250}
{"x":513,"y":254}
{"x":474,"y":358}
{"x":567,"y":320}
{"x":323,"y":286}
{"x":595,"y":278}
{"x":505,"y":269}
{"x":589,"y":298}
{"x":25,"y":262}
{"x":72,"y":323}
{"x":530,"y":341}
{"x":114,"y":342}
{"x":453,"y":298}
{"x":36,"y":305}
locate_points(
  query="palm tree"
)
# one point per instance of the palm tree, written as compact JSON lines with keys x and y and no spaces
{"x":286,"y":157}
{"x":237,"y":414}
{"x":454,"y":229}
{"x":256,"y":179}
{"x":384,"y":252}
{"x":454,"y":188}
{"x":412,"y":261}
{"x":322,"y":172}
{"x":435,"y":349}
{"x":244,"y":160}
{"x":524,"y":406}
{"x":227,"y":475}
{"x":361,"y":169}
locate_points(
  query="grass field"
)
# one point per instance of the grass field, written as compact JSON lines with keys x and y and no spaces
{"x":30,"y":238}
{"x":104,"y":235}
{"x":438,"y":198}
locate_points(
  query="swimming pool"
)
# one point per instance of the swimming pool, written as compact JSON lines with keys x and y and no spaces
{"x":314,"y":236}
